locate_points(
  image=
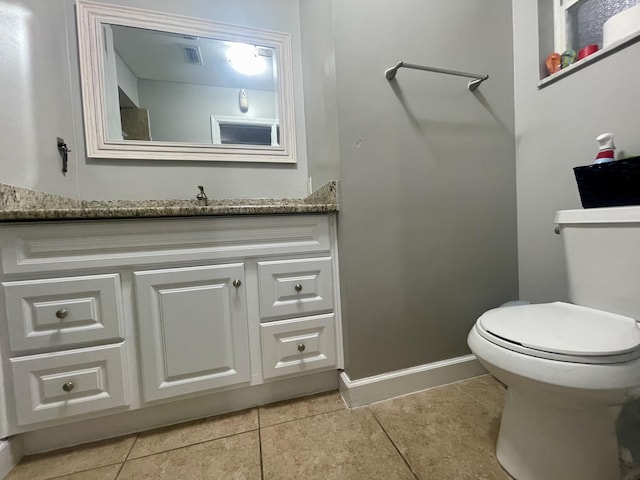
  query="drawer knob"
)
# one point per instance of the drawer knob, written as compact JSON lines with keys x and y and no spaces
{"x":301,"y":347}
{"x":68,"y":386}
{"x":62,"y":313}
{"x":298,"y":287}
{"x":237,"y":282}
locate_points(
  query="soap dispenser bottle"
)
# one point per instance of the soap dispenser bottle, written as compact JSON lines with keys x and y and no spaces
{"x":607,"y":148}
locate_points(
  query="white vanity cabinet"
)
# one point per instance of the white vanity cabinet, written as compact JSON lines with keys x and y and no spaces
{"x":110,"y":317}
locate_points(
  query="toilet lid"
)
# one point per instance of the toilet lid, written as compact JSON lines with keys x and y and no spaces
{"x":564,"y":329}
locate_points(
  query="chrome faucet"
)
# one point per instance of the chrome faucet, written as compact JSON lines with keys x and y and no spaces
{"x":203,"y":201}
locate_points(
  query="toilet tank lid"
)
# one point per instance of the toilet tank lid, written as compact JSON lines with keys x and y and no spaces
{"x":563,"y":328}
{"x":599,"y":215}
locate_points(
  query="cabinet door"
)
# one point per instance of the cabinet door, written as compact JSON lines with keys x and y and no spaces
{"x":193,"y":329}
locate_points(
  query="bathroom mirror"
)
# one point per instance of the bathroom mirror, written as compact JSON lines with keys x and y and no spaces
{"x":167,"y":87}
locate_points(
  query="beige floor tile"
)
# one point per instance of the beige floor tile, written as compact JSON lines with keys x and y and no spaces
{"x":230,"y":458}
{"x":72,"y":460}
{"x":104,"y":473}
{"x":444,"y":434}
{"x":346,"y":444}
{"x":447,"y":433}
{"x":486,"y":390}
{"x":184,"y":434}
{"x":300,"y":408}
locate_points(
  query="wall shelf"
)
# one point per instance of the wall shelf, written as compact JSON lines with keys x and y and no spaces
{"x":594,"y":57}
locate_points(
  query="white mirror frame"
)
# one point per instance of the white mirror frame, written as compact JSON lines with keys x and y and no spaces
{"x":91,"y":45}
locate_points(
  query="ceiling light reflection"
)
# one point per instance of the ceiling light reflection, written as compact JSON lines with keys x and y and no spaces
{"x":244,"y":58}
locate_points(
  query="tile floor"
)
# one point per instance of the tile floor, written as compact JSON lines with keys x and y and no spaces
{"x":439,"y":434}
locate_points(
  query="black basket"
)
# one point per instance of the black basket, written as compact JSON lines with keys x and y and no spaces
{"x":610,"y":184}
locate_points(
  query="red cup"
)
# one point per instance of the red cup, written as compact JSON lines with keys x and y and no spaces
{"x":586,"y":51}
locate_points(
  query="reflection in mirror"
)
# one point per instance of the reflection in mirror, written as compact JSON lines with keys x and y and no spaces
{"x":170,"y":85}
{"x":254,"y":131}
{"x":159,"y":86}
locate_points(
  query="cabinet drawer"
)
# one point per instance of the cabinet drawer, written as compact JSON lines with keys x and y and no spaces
{"x":295,"y":287}
{"x":52,"y":386}
{"x":298,"y":345}
{"x":59,"y":312}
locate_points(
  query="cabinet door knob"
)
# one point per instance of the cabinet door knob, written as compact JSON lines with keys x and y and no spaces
{"x":237,"y":282}
{"x":62,"y":313}
{"x":298,"y":287}
{"x":68,"y":386}
{"x":301,"y":347}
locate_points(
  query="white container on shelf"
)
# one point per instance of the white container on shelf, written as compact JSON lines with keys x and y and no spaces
{"x":621,"y":25}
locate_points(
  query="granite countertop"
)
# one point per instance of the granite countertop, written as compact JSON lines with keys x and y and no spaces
{"x":20,"y":204}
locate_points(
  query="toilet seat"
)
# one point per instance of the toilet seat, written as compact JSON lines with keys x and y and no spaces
{"x":563,"y":332}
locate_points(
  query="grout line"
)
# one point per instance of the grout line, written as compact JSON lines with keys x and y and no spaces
{"x":96,"y":468}
{"x":64,"y":475}
{"x":394,"y":445}
{"x":483,"y":404}
{"x":131,"y":449}
{"x":306,"y":416}
{"x":192,"y":444}
{"x":119,"y":470}
{"x":260,"y":446}
{"x":477,"y":428}
{"x":468,"y":395}
{"x":127,"y":457}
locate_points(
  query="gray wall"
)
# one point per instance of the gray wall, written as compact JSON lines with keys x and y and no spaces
{"x":428,"y":215}
{"x":556,"y":127}
{"x":41,"y":100}
{"x":321,"y":108}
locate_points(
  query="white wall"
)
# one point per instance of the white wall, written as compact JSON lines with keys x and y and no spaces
{"x":127,"y":81}
{"x":428,"y":215}
{"x":44,"y":101}
{"x":556,"y":127}
{"x":182,"y":112}
{"x":35,"y":97}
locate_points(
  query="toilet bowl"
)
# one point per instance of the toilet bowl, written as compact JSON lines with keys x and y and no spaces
{"x":569,"y":366}
{"x":565,"y":367}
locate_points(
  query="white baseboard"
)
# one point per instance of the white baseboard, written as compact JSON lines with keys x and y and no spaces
{"x":10,"y":455}
{"x":357,"y":393}
{"x":147,"y":418}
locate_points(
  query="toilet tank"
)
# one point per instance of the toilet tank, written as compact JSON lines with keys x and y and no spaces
{"x":602,"y":249}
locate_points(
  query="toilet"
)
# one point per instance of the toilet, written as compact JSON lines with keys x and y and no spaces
{"x":568,"y":367}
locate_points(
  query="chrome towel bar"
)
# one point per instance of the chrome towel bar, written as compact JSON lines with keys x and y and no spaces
{"x":473,"y":84}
